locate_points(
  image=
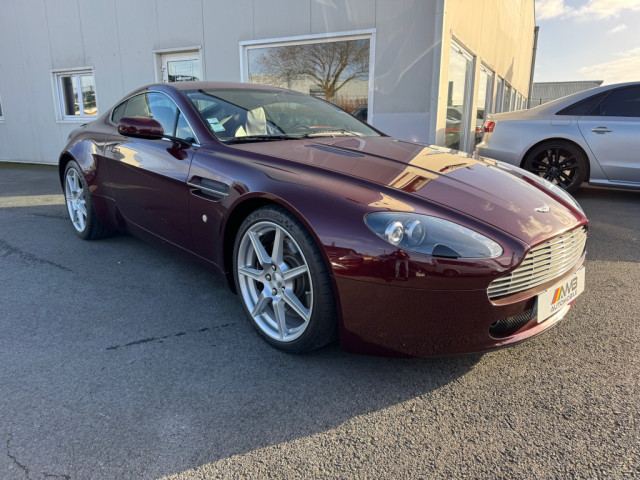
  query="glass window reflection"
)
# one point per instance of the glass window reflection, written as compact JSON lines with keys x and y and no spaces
{"x":457,"y":98}
{"x":77,"y":95}
{"x":88,"y":95}
{"x":336,"y":71}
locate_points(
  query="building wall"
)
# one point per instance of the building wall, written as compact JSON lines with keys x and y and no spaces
{"x":118,"y":39}
{"x":498,"y":33}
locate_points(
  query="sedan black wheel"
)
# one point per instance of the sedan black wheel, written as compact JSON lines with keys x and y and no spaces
{"x":79,"y":205}
{"x":282,"y":281}
{"x":561,"y":163}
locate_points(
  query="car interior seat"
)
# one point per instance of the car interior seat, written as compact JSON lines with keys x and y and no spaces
{"x":255,"y":123}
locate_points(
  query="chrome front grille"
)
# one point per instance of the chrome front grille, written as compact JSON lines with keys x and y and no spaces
{"x":542,"y":264}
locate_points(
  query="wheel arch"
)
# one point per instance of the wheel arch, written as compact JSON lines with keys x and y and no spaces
{"x":559,"y":139}
{"x":241,"y":210}
{"x":64,"y":160}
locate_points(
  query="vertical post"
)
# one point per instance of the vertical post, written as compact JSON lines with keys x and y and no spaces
{"x":533,"y":63}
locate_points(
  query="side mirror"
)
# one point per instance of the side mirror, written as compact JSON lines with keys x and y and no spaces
{"x":140,"y":127}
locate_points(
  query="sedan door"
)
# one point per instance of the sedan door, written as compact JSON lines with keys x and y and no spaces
{"x":612,"y":130}
{"x":148,"y":177}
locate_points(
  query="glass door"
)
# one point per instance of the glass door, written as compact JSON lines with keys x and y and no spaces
{"x":484,"y":100}
{"x":181,"y":67}
{"x":458,"y":101}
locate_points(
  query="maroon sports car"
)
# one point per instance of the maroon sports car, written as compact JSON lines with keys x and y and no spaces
{"x":324,"y":226}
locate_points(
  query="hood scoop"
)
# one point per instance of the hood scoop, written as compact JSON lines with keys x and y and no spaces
{"x":338,"y":151}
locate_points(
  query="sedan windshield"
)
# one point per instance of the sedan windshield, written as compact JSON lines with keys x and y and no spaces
{"x":254,"y":115}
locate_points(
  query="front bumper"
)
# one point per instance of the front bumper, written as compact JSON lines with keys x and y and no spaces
{"x":388,"y":320}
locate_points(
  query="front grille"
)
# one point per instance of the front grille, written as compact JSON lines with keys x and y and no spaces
{"x":542,"y":264}
{"x":508,"y":326}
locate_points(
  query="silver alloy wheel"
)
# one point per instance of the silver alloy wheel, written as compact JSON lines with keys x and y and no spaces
{"x":76,"y":203}
{"x":276,"y":287}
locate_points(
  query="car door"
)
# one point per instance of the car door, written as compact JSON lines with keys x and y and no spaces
{"x":612,"y":130}
{"x":148,"y":177}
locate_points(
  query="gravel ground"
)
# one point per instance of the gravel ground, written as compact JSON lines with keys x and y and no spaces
{"x":119,"y":360}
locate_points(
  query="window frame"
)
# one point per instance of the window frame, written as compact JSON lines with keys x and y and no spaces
{"x":146,"y":92}
{"x":605,"y":97}
{"x":367,"y":34}
{"x":466,"y":136}
{"x":56,"y":76}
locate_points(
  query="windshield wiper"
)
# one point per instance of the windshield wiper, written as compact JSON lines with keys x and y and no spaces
{"x":333,"y":133}
{"x":262,"y":138}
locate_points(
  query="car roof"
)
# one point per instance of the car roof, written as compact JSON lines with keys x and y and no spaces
{"x":562,"y":102}
{"x":214,"y":85}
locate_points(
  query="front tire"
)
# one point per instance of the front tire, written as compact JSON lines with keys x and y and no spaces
{"x":560,"y":162}
{"x":283,"y":282}
{"x":79,"y":205}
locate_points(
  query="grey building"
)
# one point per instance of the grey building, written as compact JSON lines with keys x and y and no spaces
{"x":543,"y":92}
{"x":423,"y":70}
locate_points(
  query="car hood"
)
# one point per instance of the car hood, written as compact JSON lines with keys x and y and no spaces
{"x":499,"y":195}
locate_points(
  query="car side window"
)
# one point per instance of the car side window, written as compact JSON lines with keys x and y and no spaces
{"x":137,"y":106}
{"x":582,"y":107}
{"x":624,"y":102}
{"x":118,"y":112}
{"x":183,"y":130}
{"x":164,"y":111}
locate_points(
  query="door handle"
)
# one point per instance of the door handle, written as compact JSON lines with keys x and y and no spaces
{"x":601,"y":130}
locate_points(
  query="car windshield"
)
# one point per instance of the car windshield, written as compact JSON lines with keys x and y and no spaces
{"x":254,"y":115}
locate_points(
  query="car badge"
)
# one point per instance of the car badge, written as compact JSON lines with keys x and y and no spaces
{"x":543,"y":209}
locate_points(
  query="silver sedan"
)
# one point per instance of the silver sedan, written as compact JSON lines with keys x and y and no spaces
{"x":590,"y":136}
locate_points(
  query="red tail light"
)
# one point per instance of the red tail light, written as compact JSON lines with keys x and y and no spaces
{"x":488,"y":126}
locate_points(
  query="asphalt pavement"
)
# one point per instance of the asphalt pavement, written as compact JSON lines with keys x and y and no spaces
{"x":120,"y":360}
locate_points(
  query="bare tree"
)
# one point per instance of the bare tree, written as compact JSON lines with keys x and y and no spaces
{"x":331,"y":65}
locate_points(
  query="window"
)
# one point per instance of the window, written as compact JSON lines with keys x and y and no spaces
{"x":581,"y":107}
{"x":623,"y":102}
{"x":233,"y":114}
{"x":484,"y":100}
{"x":179,"y":66}
{"x":77,"y":94}
{"x":499,"y":94}
{"x":337,"y":69}
{"x":458,"y":101}
{"x":506,"y":103}
{"x":159,"y":107}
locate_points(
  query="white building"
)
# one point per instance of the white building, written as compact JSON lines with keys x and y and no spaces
{"x":433,"y":68}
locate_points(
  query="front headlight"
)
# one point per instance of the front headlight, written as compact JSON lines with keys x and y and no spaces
{"x":431,"y":235}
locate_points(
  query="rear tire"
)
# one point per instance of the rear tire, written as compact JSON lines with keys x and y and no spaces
{"x":282,"y":281}
{"x":79,"y":205}
{"x":559,"y":162}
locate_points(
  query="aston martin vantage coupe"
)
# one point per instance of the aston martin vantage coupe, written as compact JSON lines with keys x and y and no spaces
{"x":327,"y":228}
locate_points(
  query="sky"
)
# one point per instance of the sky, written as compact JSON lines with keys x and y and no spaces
{"x":588,"y":40}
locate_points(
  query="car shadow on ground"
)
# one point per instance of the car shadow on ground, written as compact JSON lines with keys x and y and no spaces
{"x":614,"y":218}
{"x":141,"y":351}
